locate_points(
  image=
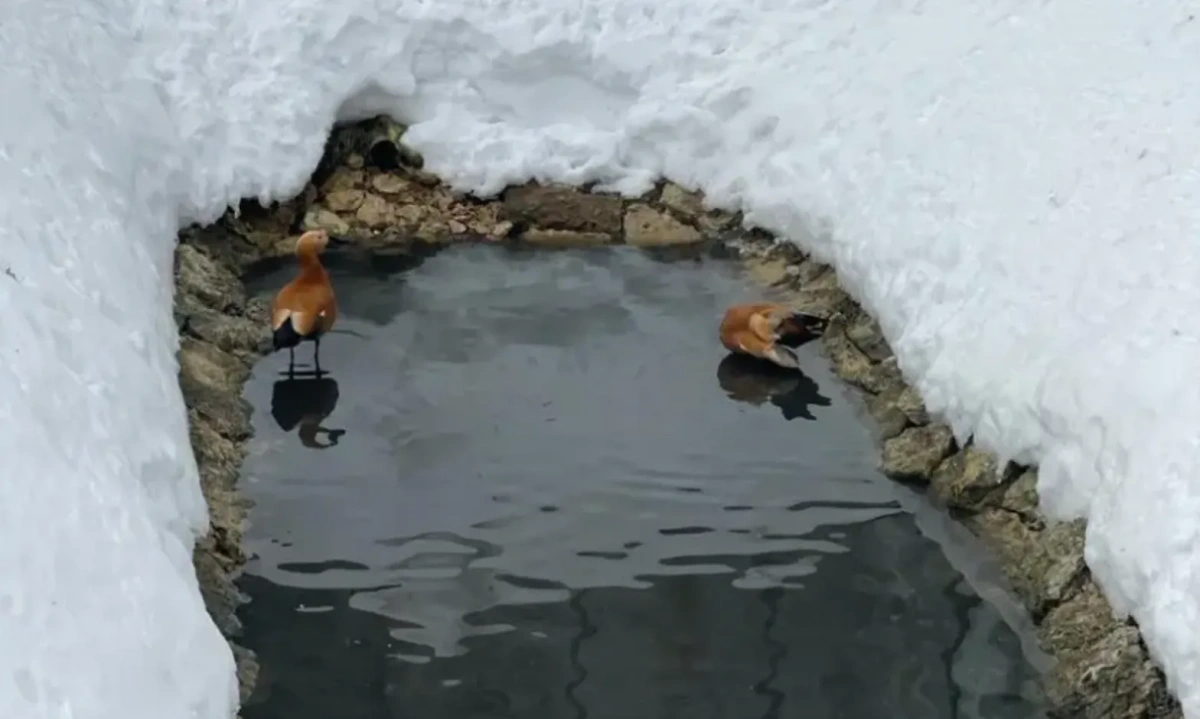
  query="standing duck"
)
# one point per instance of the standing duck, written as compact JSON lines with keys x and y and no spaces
{"x":305,"y":308}
{"x":758,"y":328}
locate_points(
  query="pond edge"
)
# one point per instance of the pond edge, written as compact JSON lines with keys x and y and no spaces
{"x":1102,"y":668}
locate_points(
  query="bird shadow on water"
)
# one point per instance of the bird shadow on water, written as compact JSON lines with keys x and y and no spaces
{"x":303,"y":402}
{"x":755,"y":382}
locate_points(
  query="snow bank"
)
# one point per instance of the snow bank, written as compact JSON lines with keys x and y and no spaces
{"x":99,"y":612}
{"x":1008,"y":186}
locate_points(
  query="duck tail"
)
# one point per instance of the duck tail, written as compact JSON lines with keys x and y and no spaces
{"x":285,"y":336}
{"x":802,"y":322}
{"x":782,"y":356}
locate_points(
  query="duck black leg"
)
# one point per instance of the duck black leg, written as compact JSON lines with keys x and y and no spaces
{"x":291,"y":361}
{"x":317,"y":354}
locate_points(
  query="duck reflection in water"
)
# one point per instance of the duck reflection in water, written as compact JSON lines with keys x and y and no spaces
{"x":305,"y":403}
{"x":755,"y":381}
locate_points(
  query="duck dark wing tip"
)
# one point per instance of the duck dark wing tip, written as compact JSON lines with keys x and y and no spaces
{"x":285,"y":336}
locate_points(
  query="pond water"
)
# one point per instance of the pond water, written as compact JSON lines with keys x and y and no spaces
{"x":533,"y":485}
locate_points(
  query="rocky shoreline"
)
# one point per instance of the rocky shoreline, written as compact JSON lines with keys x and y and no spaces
{"x":373,"y":190}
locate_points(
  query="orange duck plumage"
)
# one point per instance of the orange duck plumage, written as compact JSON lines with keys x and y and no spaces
{"x":758,"y":329}
{"x":305,"y":308}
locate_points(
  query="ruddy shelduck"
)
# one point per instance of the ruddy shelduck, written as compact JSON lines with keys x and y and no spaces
{"x":305,"y":308}
{"x":757,"y":328}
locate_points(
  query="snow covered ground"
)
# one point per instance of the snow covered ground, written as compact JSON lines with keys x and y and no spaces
{"x":1010,"y":187}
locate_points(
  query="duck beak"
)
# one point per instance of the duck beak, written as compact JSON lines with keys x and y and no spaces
{"x":338,"y":241}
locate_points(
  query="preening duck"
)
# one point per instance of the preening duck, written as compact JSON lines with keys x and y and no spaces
{"x":758,"y":328}
{"x":305,"y":308}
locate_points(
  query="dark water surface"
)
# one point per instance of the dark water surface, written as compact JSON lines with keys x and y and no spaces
{"x":550,"y":495}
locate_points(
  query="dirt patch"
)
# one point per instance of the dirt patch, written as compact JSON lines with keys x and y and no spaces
{"x":371,"y":189}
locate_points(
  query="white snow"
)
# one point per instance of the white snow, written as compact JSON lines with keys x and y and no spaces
{"x":1010,"y":187}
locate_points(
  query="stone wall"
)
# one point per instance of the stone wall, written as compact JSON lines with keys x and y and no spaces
{"x":371,"y":189}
